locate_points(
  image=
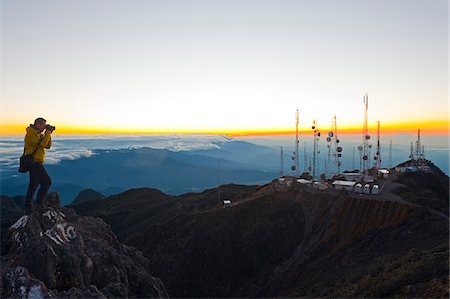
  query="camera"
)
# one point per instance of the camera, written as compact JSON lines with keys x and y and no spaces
{"x":49,"y":127}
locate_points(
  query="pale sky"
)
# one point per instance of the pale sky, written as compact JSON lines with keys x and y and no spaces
{"x":162,"y":65}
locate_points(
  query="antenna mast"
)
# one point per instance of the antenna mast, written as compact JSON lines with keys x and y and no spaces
{"x":390,"y":154}
{"x":296,"y":144}
{"x":281,"y":163}
{"x":366,"y":137}
{"x":315,"y":149}
{"x":377,"y":157}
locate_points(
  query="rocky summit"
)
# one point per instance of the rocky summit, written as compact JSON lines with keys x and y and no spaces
{"x":54,"y":253}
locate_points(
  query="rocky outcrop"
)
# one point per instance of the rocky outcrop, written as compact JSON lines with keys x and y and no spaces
{"x":56,"y":253}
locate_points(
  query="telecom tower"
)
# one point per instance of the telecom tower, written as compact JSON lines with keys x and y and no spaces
{"x":377,"y":157}
{"x":315,"y":149}
{"x":334,"y":151}
{"x":418,"y":150}
{"x":296,"y":144}
{"x":281,"y":163}
{"x":365,"y":136}
{"x":390,"y":154}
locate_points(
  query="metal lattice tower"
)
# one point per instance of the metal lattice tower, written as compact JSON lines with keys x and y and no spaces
{"x":334,"y":151}
{"x":390,"y":154}
{"x":365,"y":137}
{"x":418,"y":149}
{"x":315,"y":149}
{"x":297,"y":164}
{"x":281,"y":163}
{"x":377,"y":157}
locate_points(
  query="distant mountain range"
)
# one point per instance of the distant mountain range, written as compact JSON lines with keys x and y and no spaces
{"x":113,"y":171}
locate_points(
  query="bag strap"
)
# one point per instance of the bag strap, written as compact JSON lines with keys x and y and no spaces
{"x":37,"y":145}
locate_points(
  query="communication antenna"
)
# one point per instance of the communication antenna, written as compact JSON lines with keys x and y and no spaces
{"x":305,"y":157}
{"x":377,"y":157}
{"x":365,"y":137}
{"x":315,"y":149}
{"x":353,"y":161}
{"x":423,"y":152}
{"x":297,"y":168}
{"x":390,"y":154}
{"x":334,"y":150}
{"x":281,"y":163}
{"x":411,"y":155}
{"x":219,"y":192}
{"x":418,"y":154}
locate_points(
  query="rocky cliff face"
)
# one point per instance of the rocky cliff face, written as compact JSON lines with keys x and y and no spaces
{"x":56,"y":253}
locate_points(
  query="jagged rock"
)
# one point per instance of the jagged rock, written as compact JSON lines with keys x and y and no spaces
{"x":17,"y":283}
{"x":77,"y":256}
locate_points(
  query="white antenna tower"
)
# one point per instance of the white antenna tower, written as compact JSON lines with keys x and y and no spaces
{"x":353,"y":161}
{"x":297,"y":168}
{"x":411,"y":155}
{"x":418,"y":154}
{"x":390,"y":154}
{"x":366,"y":137}
{"x":334,"y":151}
{"x":305,"y":157}
{"x":281,"y":163}
{"x":377,"y":157}
{"x":315,"y":149}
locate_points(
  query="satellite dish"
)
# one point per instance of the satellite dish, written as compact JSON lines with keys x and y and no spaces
{"x":365,"y":157}
{"x":339,"y":149}
{"x":330,"y":134}
{"x":328,"y":139}
{"x":339,"y":155}
{"x":318,"y":134}
{"x":293,"y":168}
{"x":360,"y":148}
{"x":313,"y":127}
{"x":375,"y":158}
{"x":367,"y":137}
{"x":337,"y":141}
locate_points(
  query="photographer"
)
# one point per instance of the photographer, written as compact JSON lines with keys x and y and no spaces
{"x":37,"y":142}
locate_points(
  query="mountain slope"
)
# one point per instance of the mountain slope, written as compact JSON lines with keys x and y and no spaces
{"x":273,"y":242}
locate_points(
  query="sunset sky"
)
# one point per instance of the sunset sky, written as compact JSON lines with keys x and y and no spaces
{"x":190,"y":66}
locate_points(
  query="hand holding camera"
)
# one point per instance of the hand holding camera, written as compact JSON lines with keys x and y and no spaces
{"x":50,"y":128}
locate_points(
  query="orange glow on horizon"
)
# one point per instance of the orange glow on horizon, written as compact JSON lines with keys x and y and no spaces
{"x":439,"y":127}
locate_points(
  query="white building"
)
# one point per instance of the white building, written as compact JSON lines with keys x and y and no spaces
{"x":343,"y":185}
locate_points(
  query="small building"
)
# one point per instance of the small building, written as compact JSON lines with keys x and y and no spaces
{"x":226,"y":202}
{"x":358,"y":188}
{"x":383,"y":173}
{"x":366,"y":189}
{"x":375,"y":189}
{"x":353,"y":176}
{"x":343,"y":185}
{"x":304,"y":182}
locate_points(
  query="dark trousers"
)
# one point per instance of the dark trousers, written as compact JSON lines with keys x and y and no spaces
{"x":38,"y":177}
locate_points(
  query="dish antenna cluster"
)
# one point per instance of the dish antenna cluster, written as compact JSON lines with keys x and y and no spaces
{"x":364,"y":149}
{"x":295,"y":167}
{"x":334,"y":150}
{"x":316,"y":148}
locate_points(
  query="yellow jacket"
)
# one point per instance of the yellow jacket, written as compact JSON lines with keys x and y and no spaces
{"x":31,"y":140}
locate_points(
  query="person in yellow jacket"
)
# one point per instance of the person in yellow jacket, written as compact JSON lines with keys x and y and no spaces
{"x":35,"y":141}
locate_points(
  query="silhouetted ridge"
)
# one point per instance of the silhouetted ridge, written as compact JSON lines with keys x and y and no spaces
{"x":87,"y":195}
